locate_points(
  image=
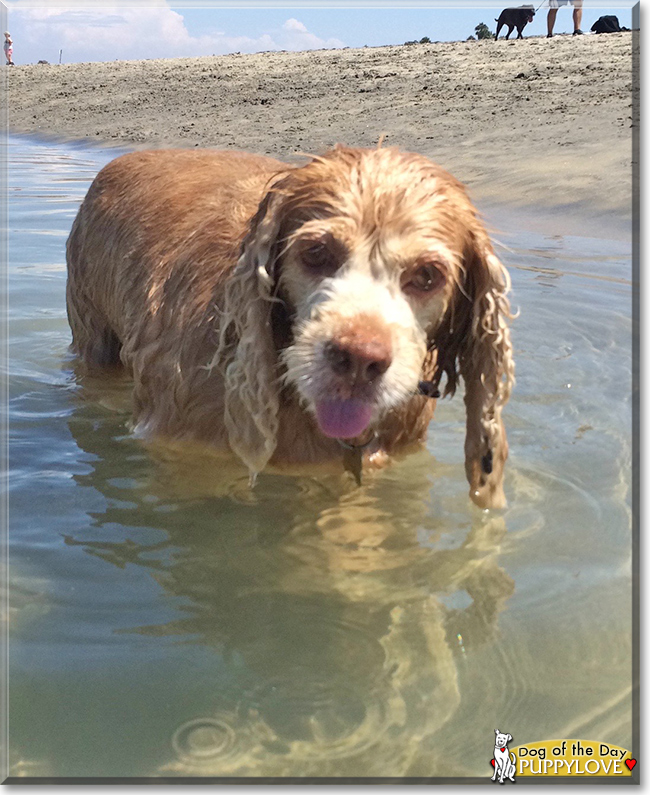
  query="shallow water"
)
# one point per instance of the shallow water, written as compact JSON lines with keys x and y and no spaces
{"x":166,"y":621}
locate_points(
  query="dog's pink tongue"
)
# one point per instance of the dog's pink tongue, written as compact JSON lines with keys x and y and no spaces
{"x":343,"y":419}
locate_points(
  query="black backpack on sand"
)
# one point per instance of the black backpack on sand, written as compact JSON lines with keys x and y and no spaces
{"x":607,"y":24}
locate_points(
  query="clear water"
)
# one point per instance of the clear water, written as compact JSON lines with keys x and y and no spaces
{"x":165,"y":621}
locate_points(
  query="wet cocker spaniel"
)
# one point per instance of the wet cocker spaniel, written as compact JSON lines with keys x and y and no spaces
{"x":293,"y":314}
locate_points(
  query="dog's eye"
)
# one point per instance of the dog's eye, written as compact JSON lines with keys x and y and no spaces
{"x":319,"y":257}
{"x":425,"y":278}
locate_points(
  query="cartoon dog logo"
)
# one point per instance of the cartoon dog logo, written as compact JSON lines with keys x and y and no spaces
{"x":504,"y":761}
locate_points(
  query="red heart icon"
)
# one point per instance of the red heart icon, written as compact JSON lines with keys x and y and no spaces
{"x":492,"y":762}
{"x":630,"y":763}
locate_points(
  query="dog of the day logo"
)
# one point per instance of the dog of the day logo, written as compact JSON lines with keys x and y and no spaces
{"x":559,"y":758}
{"x":504,"y":761}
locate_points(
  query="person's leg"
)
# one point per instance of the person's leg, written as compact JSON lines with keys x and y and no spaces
{"x":577,"y":14}
{"x":550,"y":20}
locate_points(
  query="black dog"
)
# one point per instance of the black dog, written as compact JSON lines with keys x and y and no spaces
{"x":515,"y":18}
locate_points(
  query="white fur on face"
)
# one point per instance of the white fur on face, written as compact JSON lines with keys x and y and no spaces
{"x":385,"y":223}
{"x":356,"y":295}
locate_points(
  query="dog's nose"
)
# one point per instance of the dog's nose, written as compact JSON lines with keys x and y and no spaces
{"x":359,"y":360}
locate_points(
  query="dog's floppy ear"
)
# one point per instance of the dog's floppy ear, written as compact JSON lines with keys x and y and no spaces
{"x":473,"y":341}
{"x":509,"y":737}
{"x":487,"y":367}
{"x":496,"y":731}
{"x":246,"y":350}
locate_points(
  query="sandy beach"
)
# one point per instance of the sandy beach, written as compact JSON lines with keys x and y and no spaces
{"x":536,"y":123}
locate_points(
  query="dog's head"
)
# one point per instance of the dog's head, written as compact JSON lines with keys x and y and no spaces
{"x":356,"y":266}
{"x":530,"y":13}
{"x":501,"y":740}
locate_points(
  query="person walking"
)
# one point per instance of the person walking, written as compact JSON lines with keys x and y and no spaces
{"x":553,"y":6}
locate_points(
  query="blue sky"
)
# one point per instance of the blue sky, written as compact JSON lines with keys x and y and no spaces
{"x":158,"y":29}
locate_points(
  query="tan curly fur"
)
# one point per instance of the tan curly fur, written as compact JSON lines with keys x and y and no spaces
{"x":245,"y":350}
{"x":185,"y":267}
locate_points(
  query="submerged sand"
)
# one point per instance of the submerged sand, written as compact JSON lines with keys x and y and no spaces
{"x":545,"y":123}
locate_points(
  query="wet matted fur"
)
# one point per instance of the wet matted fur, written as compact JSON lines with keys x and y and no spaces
{"x":259,"y":307}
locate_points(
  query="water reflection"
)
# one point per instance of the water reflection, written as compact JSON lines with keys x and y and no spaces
{"x":318,"y":597}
